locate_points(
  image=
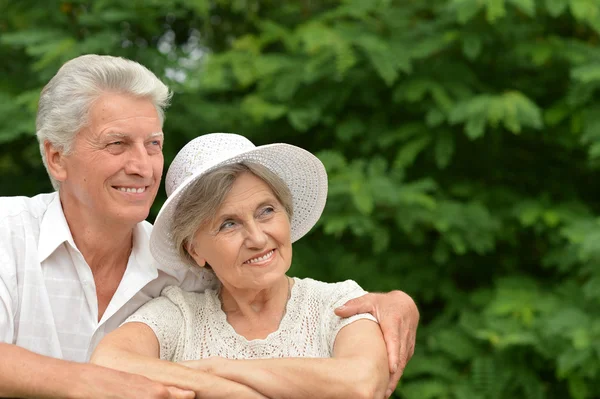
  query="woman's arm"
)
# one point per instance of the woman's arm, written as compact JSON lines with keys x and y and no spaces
{"x":398,"y":317}
{"x":134,"y":348}
{"x":358,"y":369}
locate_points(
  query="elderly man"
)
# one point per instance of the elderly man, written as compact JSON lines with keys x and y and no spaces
{"x":75,"y":263}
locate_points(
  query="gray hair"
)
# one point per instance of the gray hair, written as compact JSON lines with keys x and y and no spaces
{"x":65,"y":101}
{"x":202,"y":199}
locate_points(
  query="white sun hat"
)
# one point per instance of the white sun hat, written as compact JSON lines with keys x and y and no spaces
{"x":301,"y":171}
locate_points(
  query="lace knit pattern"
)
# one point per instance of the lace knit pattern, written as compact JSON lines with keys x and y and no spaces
{"x":192,"y":326}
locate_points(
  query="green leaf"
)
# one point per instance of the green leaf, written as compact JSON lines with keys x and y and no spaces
{"x":454,"y":343}
{"x":426,"y":389}
{"x":260,"y":110}
{"x":55,"y":54}
{"x":285,"y":86}
{"x":413,"y":90}
{"x":31,"y":37}
{"x":526,"y":6}
{"x":475,"y":127}
{"x":472,"y":46}
{"x":465,"y":9}
{"x":587,"y":73}
{"x":362,"y":198}
{"x":556,"y":7}
{"x":201,"y":7}
{"x":408,"y":153}
{"x":556,"y":114}
{"x":571,"y":360}
{"x":333,"y":160}
{"x":512,"y":108}
{"x":350,"y":129}
{"x":381,"y":58}
{"x":434,"y":117}
{"x":578,"y":388}
{"x":304,"y":118}
{"x":495,"y":9}
{"x":584,"y":10}
{"x":444,"y":149}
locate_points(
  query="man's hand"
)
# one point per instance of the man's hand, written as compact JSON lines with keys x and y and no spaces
{"x":24,"y":374}
{"x":100,"y":382}
{"x":398,"y":318}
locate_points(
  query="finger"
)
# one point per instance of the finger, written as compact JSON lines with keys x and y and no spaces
{"x":403,"y":354}
{"x":393,"y":383}
{"x":413,"y":342}
{"x":362,"y":304}
{"x":391,"y":336}
{"x":178,"y":393}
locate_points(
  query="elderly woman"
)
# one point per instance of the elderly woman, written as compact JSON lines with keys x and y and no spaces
{"x":235,"y":209}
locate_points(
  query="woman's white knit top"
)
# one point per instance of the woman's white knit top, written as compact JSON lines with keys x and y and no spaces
{"x":191,"y":326}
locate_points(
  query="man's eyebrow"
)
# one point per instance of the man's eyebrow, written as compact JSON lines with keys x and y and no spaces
{"x":157,"y":134}
{"x":117,"y":135}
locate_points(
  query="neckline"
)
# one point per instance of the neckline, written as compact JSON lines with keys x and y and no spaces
{"x":222,"y":317}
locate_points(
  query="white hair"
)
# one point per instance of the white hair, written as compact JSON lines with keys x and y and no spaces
{"x":66,"y":100}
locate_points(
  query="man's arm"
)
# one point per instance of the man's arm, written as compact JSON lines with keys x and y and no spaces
{"x":134,"y":348}
{"x":398,"y":318}
{"x":24,"y":374}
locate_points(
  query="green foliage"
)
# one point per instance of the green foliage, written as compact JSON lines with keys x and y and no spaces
{"x":461,"y":137}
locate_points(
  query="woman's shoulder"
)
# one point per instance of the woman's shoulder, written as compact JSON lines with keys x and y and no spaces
{"x":179,"y":296}
{"x":324,"y":287}
{"x":176,"y":294}
{"x":328,"y":293}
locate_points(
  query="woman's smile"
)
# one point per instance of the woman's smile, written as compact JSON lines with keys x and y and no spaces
{"x":261,"y":260}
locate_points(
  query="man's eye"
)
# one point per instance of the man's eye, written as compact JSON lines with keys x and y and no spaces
{"x":117,"y":143}
{"x":156,"y":142}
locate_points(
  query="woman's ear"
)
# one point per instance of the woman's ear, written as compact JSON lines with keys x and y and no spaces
{"x":200,"y":261}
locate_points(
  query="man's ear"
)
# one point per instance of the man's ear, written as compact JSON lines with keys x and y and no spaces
{"x":55,"y":160}
{"x":200,"y":261}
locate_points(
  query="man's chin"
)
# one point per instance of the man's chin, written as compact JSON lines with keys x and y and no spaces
{"x":133,"y":216}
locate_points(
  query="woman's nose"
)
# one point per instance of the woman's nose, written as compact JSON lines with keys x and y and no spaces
{"x":255,"y":236}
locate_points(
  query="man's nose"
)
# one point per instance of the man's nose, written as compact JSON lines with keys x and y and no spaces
{"x":139,"y":162}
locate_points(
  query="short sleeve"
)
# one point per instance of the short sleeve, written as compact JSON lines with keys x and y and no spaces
{"x":165,"y":318}
{"x":7,"y":320}
{"x":340,"y":293}
{"x":8,"y":284}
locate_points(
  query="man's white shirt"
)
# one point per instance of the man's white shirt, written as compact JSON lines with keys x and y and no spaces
{"x":48,"y":300}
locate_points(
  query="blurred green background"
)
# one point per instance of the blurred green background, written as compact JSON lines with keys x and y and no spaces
{"x":461,"y":137}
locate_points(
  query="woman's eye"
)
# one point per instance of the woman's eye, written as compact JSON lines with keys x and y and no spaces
{"x":226,"y":225}
{"x":267,"y":210}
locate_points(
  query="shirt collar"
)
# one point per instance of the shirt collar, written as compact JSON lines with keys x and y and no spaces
{"x":140,"y":252}
{"x":141,"y":269}
{"x":54,"y":230}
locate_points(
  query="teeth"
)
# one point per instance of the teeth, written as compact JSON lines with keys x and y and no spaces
{"x":261,"y":258}
{"x":132,"y":190}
